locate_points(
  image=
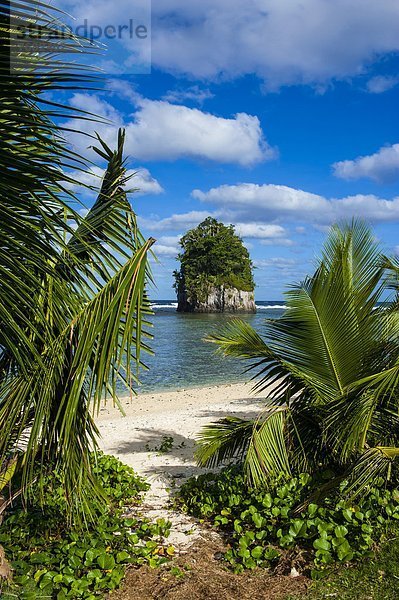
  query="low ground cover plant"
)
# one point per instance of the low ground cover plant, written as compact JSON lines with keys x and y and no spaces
{"x":52,"y":559}
{"x":261,"y":524}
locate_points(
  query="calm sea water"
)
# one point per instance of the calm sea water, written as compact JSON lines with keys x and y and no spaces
{"x":182,"y":359}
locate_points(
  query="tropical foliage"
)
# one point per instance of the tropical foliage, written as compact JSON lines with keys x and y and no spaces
{"x":329,"y":370}
{"x":264,"y":528}
{"x":53,"y":560}
{"x":213,"y":255}
{"x":72,"y":285}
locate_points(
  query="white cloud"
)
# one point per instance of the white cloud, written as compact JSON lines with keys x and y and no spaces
{"x":278,"y":268}
{"x":144,"y":182}
{"x":381,"y":83}
{"x":383,"y":166}
{"x":160,"y":130}
{"x":276,"y":262}
{"x":165,"y":251}
{"x":167,"y":246}
{"x":193,"y":93}
{"x":123,"y":89}
{"x":175,"y":222}
{"x":141,"y":181}
{"x":265,"y":203}
{"x":261,"y":201}
{"x":277,"y":242}
{"x":267,"y":234}
{"x":283,"y":42}
{"x":259,"y":231}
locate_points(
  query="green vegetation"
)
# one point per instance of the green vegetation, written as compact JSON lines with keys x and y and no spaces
{"x":73,"y":311}
{"x":375,"y":579}
{"x":72,"y":287}
{"x":333,"y":358}
{"x":261,"y":525}
{"x":212,"y":255}
{"x":164,"y":447}
{"x":53,"y":560}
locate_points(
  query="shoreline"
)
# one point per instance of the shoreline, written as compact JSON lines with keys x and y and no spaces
{"x":162,"y":398}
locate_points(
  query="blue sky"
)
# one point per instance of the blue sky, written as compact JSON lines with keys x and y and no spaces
{"x":279,"y":117}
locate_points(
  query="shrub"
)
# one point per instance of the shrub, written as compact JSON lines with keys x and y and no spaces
{"x":260,"y":523}
{"x":54,"y":559}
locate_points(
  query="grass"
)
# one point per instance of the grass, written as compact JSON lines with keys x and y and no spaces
{"x":374,"y":579}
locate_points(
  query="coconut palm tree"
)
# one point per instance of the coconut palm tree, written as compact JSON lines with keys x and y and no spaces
{"x":327,"y":365}
{"x":73,"y":304}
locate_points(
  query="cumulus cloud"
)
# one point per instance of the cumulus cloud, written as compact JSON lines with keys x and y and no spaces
{"x":276,"y":261}
{"x":284,"y":43}
{"x":382,"y":167}
{"x":160,"y":130}
{"x":167,"y":246}
{"x":143,"y":182}
{"x":270,"y":202}
{"x":279,"y":268}
{"x":263,"y":200}
{"x":175,"y":222}
{"x":381,"y":83}
{"x":277,"y":242}
{"x":267,"y":234}
{"x":259,"y":231}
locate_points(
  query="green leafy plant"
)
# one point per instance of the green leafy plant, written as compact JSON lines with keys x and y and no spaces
{"x":164,"y":447}
{"x":330,"y":367}
{"x":53,"y":560}
{"x":260,"y":524}
{"x":73,"y":301}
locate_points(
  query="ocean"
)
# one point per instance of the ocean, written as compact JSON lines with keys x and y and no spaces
{"x":182,"y":359}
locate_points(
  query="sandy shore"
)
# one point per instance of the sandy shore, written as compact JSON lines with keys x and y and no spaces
{"x":178,"y":416}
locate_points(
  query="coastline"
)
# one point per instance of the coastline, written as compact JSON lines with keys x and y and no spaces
{"x":149,"y":418}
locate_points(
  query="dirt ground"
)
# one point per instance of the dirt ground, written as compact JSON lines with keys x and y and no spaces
{"x":202,"y":575}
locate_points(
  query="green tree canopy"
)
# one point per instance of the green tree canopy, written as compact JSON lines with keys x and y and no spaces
{"x":213,"y":254}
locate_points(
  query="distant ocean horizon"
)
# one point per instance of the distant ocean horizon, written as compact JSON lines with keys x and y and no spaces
{"x":183,"y":359}
{"x":260,"y":305}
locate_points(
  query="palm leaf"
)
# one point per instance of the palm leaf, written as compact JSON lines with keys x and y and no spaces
{"x":330,"y":362}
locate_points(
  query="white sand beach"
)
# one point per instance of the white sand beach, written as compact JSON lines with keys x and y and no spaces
{"x":180,"y":415}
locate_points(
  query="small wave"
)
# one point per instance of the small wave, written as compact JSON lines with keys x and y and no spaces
{"x":271,"y":306}
{"x":171,"y":305}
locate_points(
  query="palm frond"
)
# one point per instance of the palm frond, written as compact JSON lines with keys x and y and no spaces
{"x":330,"y":361}
{"x":267,"y":454}
{"x":73,"y":305}
{"x":224,"y":440}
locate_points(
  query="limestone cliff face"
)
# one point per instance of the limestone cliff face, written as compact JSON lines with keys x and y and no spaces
{"x":219,"y":299}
